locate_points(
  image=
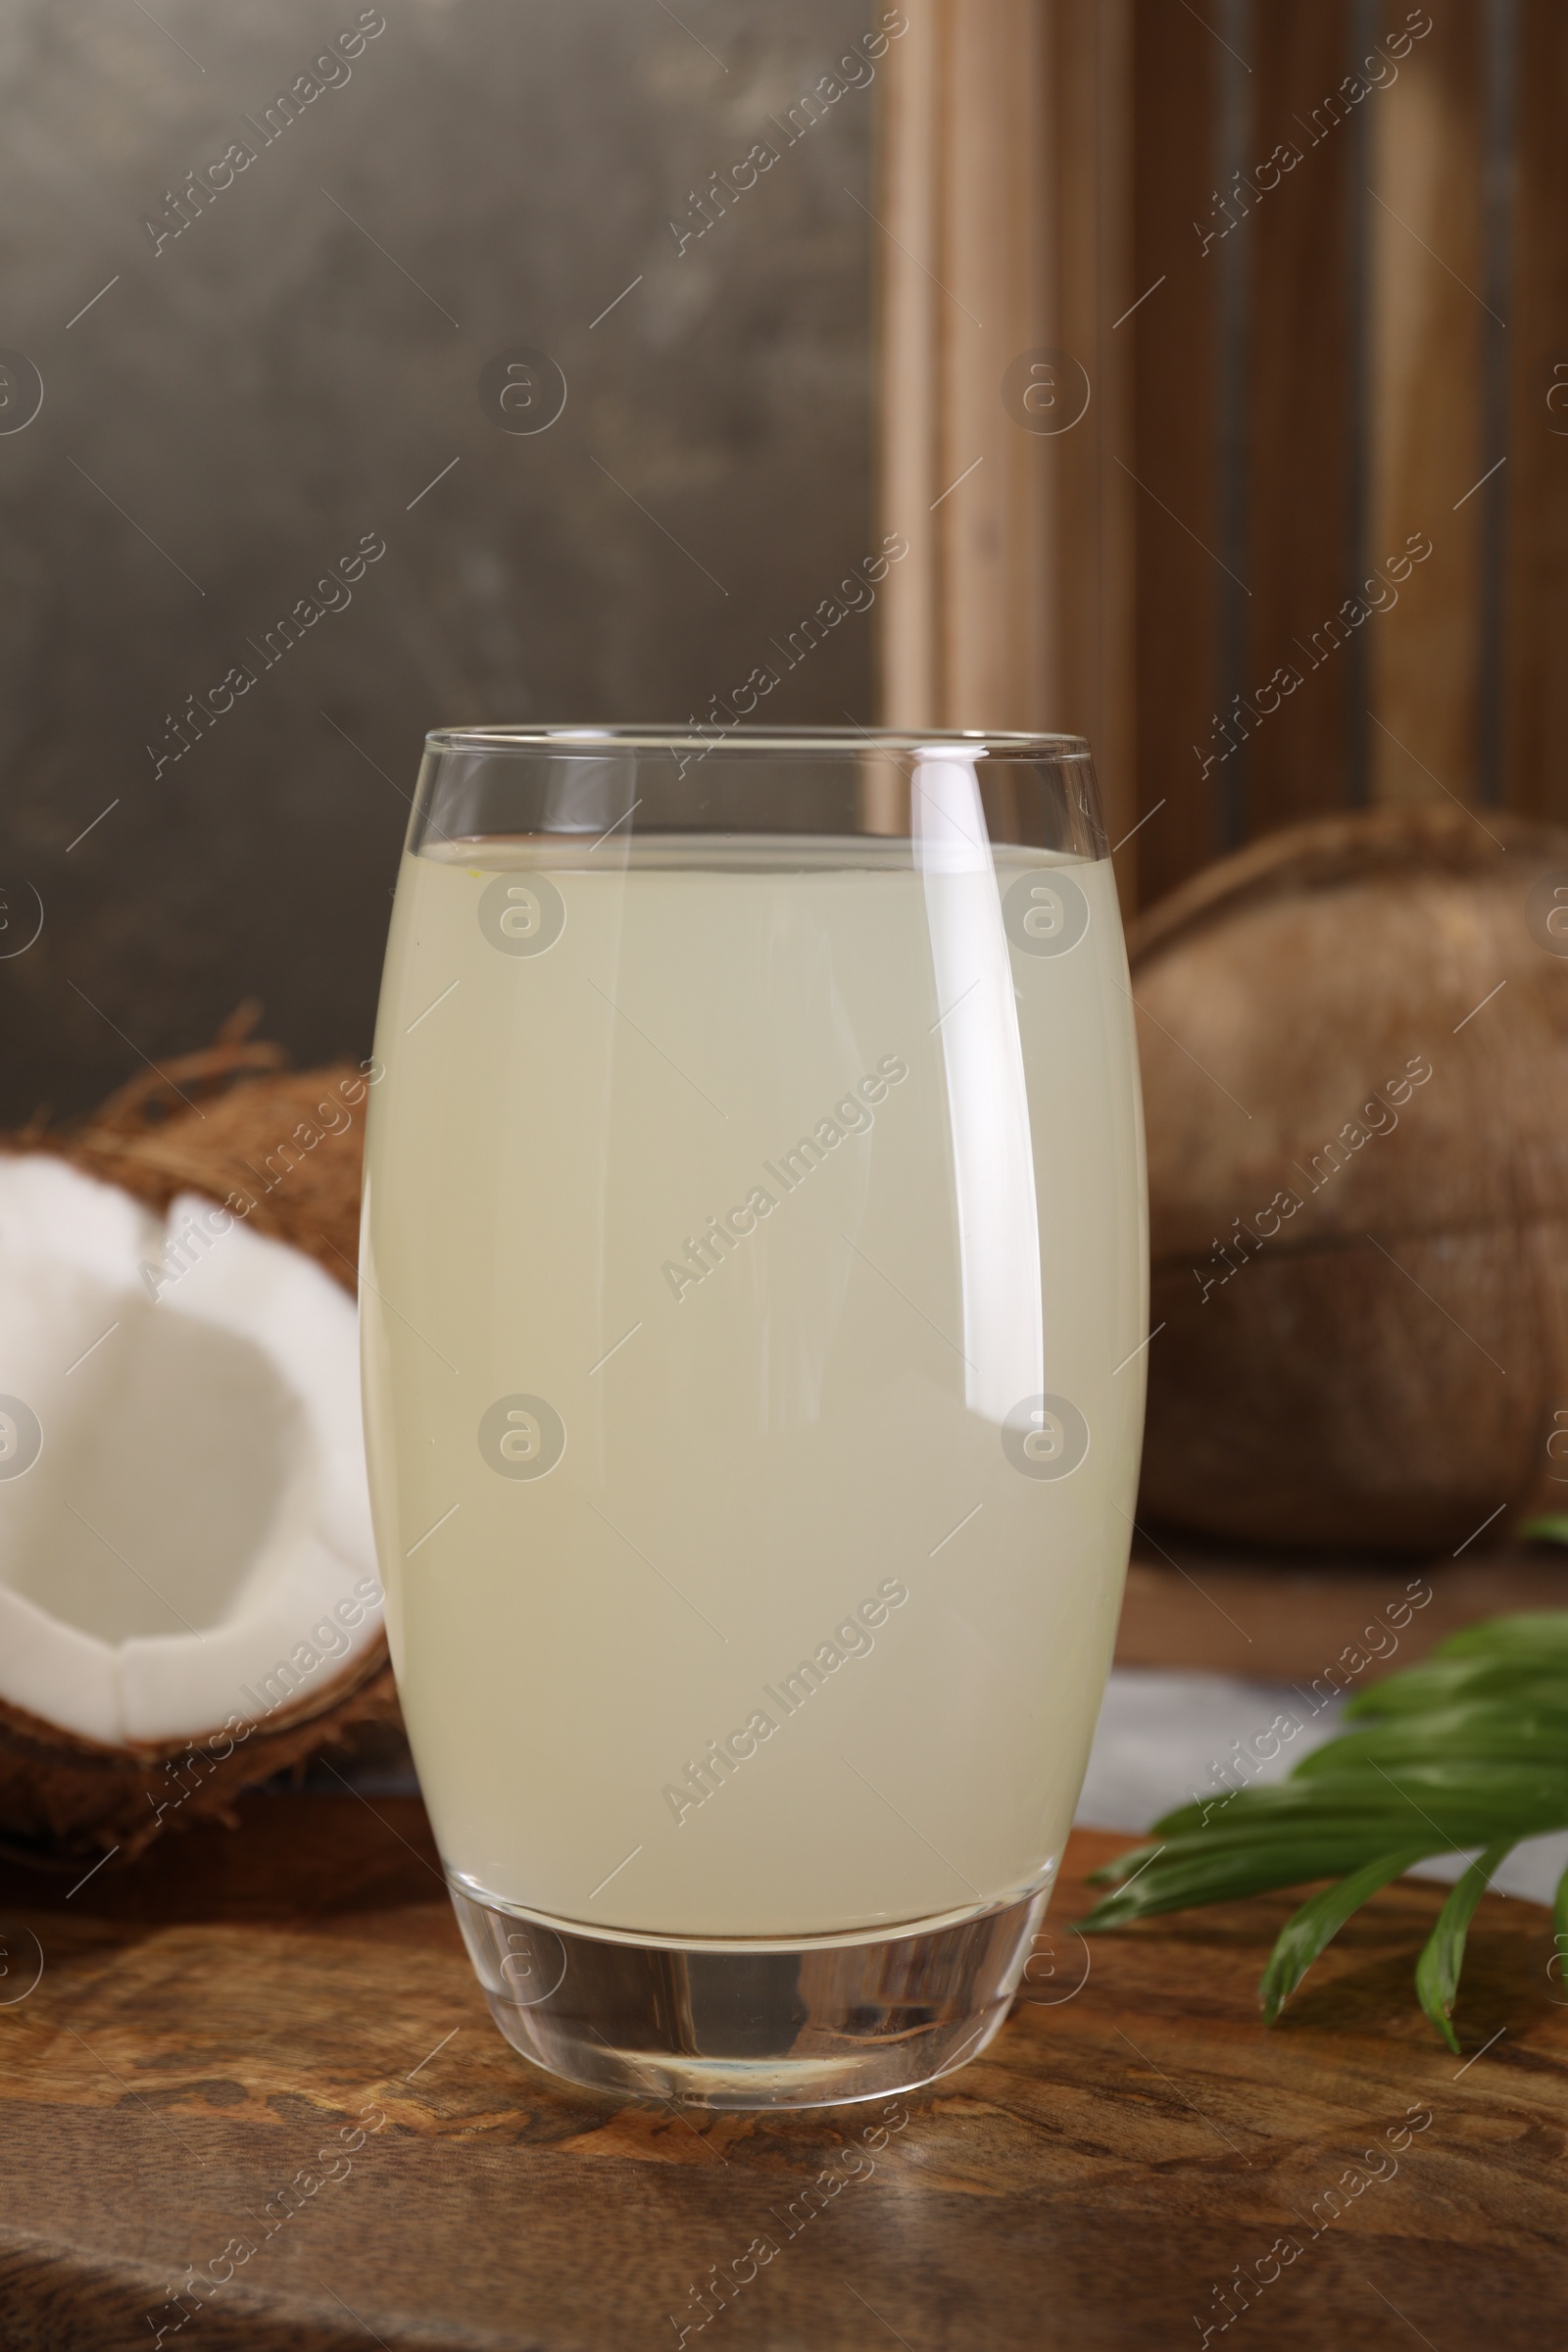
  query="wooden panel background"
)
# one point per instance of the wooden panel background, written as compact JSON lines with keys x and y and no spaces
{"x":1429,"y":347}
{"x":1536,"y":570}
{"x":1006,"y":228}
{"x":1175,"y":451}
{"x":1313,"y":255}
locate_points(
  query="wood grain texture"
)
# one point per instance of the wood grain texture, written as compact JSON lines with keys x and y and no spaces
{"x":1300,"y":556}
{"x":1174,"y":442}
{"x":1094,"y":554}
{"x":962,"y":273}
{"x":1536,"y":607}
{"x":1055,"y":162}
{"x":236,"y":2004}
{"x":1005,"y":230}
{"x":1297,"y":1619}
{"x":1427,"y":322}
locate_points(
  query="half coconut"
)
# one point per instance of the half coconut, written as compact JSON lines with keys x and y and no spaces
{"x":188,"y":1592}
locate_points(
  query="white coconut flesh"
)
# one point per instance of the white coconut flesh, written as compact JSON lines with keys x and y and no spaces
{"x":184,"y":1524}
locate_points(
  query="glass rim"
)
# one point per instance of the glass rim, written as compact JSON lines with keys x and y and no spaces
{"x":834,"y":743}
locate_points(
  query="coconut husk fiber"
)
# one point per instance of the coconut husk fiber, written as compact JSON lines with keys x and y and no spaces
{"x":1359,"y":1271}
{"x":229,"y":1122}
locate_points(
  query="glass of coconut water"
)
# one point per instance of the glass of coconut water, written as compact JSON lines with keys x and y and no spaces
{"x":753,"y":1285}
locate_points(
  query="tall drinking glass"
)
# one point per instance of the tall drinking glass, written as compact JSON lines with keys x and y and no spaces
{"x":753,"y":1284}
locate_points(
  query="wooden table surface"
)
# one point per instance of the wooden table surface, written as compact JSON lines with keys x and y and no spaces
{"x":226,"y":2018}
{"x":1191,"y":1604}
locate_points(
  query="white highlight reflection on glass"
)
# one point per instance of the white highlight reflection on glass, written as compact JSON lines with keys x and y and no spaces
{"x":992,"y":1156}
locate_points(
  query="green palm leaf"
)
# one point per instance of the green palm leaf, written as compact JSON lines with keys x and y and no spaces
{"x":1320,"y":1920}
{"x":1436,"y":1971}
{"x":1468,"y":1749}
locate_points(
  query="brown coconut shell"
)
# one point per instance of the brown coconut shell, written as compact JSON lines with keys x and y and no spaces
{"x":225,"y":1122}
{"x":1384,"y":1365}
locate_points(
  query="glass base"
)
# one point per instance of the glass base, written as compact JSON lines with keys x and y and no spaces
{"x":730,"y":2025}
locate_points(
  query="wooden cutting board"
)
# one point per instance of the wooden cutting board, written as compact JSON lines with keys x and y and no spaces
{"x":206,"y":2025}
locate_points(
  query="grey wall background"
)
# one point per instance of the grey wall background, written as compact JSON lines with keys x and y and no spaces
{"x":238,"y":409}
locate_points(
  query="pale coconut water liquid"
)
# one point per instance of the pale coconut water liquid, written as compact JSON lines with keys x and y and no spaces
{"x":731,"y":1207}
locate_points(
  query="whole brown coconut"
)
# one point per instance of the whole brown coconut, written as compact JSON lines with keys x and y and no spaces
{"x":1354,"y":1044}
{"x":225,"y":1122}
